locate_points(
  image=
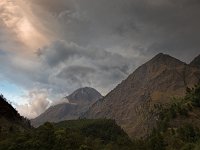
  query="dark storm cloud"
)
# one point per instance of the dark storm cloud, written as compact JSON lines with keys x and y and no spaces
{"x":114,"y":35}
{"x":79,"y":66}
{"x":172,"y":28}
{"x":132,"y":31}
{"x":77,"y":74}
{"x":161,"y":25}
{"x":93,"y":42}
{"x":60,"y":51}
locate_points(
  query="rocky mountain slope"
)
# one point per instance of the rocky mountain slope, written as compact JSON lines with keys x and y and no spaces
{"x":155,"y":82}
{"x":79,"y":101}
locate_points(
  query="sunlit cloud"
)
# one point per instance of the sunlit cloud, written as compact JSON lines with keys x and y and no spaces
{"x":37,"y":102}
{"x":62,"y":45}
{"x":17,"y":18}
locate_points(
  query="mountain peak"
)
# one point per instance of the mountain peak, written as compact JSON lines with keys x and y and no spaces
{"x":162,"y":55}
{"x":84,"y":94}
{"x":196,"y":61}
{"x":155,"y":82}
{"x":164,"y":59}
{"x":86,"y":89}
{"x":79,"y":101}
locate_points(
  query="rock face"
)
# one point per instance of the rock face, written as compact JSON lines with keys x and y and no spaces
{"x":79,"y":101}
{"x":155,"y":82}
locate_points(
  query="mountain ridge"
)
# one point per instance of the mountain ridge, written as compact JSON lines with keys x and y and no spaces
{"x":154,"y":82}
{"x":10,"y":118}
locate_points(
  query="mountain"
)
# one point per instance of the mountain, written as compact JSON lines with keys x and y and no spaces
{"x":196,"y":62}
{"x":10,"y":118}
{"x":132,"y":101}
{"x":178,"y":124}
{"x":84,"y":96}
{"x":79,"y":101}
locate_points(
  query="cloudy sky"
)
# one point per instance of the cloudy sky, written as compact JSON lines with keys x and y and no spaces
{"x":49,"y":48}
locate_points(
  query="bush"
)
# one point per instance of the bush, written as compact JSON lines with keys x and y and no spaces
{"x":188,"y":133}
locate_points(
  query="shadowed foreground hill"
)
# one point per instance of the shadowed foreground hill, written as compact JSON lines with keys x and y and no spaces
{"x":16,"y":133}
{"x":132,"y":101}
{"x":10,"y":119}
{"x":177,"y":128}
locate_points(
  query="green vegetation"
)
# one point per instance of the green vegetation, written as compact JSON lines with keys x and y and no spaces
{"x":177,"y":126}
{"x":73,"y":135}
{"x":10,"y":120}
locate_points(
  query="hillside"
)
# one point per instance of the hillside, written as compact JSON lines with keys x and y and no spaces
{"x":7,"y":111}
{"x":10,"y":119}
{"x":79,"y":101}
{"x":178,"y":124}
{"x":177,"y":127}
{"x":132,"y":101}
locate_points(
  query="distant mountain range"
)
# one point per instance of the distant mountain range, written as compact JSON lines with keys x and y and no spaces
{"x":131,"y":102}
{"x":159,"y":95}
{"x":155,"y":82}
{"x":79,"y":102}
